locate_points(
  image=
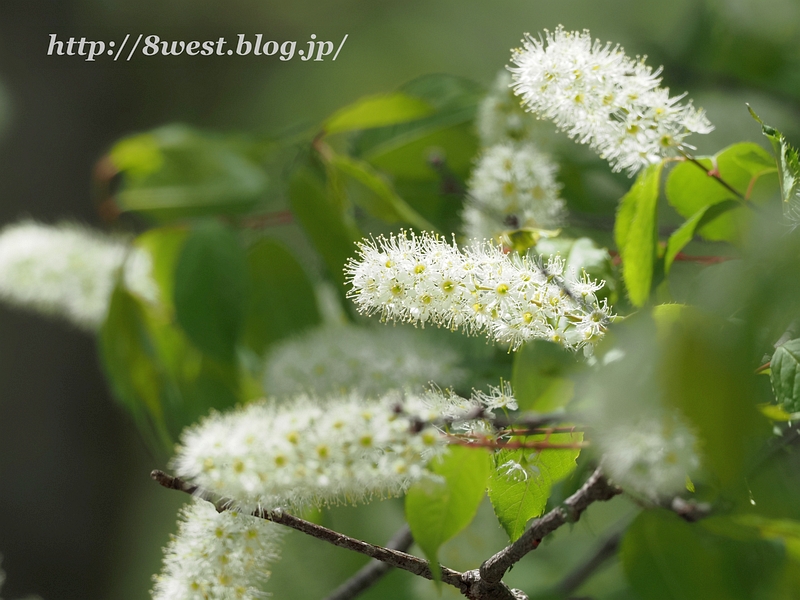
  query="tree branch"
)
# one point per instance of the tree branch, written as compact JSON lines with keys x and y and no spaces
{"x":597,"y":488}
{"x":393,"y":558}
{"x":575,"y":578}
{"x":479,"y":584}
{"x":373,"y":570}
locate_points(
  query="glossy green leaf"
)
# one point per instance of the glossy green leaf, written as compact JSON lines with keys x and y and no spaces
{"x":523,"y":479}
{"x":381,"y":201}
{"x":684,"y":234}
{"x":636,"y":235}
{"x":539,"y":377}
{"x":666,"y":558}
{"x":437,"y":509}
{"x":377,"y":111}
{"x":785,"y":375}
{"x":176,"y":172}
{"x":743,"y":166}
{"x":211,"y":287}
{"x":332,"y":234}
{"x":788,"y":159}
{"x":281,"y":299}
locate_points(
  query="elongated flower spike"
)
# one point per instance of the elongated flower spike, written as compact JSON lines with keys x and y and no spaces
{"x":225,"y":556}
{"x":69,"y":271}
{"x":478,"y":289}
{"x":309,"y":451}
{"x":513,"y":186}
{"x":601,"y":97}
{"x":368,"y":360}
{"x":501,"y":118}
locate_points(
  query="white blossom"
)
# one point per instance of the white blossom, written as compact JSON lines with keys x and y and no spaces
{"x":69,"y":271}
{"x":367,"y":360}
{"x":220,"y":556}
{"x":480,"y":289}
{"x":513,"y":186}
{"x":601,"y":97}
{"x":652,"y":456}
{"x":501,"y":117}
{"x":311,"y":451}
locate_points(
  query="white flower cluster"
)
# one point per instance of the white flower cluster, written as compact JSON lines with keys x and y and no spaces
{"x":224,"y":556}
{"x":513,"y":186}
{"x":69,"y":271}
{"x":652,"y":456}
{"x":600,"y":96}
{"x":479,"y":289}
{"x":311,"y":452}
{"x":501,"y":117}
{"x":367,"y":360}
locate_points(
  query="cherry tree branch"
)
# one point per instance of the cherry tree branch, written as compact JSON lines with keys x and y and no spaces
{"x":374,"y":570}
{"x":393,"y":558}
{"x":576,"y":578}
{"x":596,"y":489}
{"x":479,"y":584}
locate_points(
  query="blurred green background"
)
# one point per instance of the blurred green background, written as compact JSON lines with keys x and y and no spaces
{"x":79,"y":517}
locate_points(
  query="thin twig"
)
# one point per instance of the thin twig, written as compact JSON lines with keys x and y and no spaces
{"x":485,"y":442}
{"x":597,"y":488}
{"x":715,"y":174}
{"x":576,"y":578}
{"x":393,"y":558}
{"x":372,"y":572}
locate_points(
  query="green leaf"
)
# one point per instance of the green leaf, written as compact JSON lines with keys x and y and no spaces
{"x":333,"y":236}
{"x":377,"y":111}
{"x":706,"y":372}
{"x":539,"y":376}
{"x":666,"y":558}
{"x":438,"y":508}
{"x":281,"y":299}
{"x":636,"y":235}
{"x":788,"y":159}
{"x":404,"y":150}
{"x":164,"y":245}
{"x":177,"y":172}
{"x":684,"y":234}
{"x":130,"y":364}
{"x":689,"y":189}
{"x":523,"y":479}
{"x":211,"y":287}
{"x":383,"y":202}
{"x":785,"y":375}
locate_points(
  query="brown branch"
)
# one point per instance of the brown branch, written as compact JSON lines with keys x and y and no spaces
{"x":597,"y":488}
{"x":372,"y":572}
{"x":485,"y":442}
{"x":393,"y":558}
{"x":468,"y":583}
{"x":576,"y":578}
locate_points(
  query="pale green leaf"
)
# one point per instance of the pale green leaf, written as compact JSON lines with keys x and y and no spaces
{"x":636,"y":235}
{"x":377,"y":111}
{"x":438,"y":508}
{"x":383,"y":202}
{"x":523,"y":479}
